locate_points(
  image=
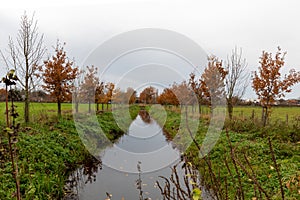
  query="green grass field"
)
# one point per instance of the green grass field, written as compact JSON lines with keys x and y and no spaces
{"x":48,"y":147}
{"x":277,"y":113}
{"x":48,"y":150}
{"x":42,"y":111}
{"x":38,"y":110}
{"x":249,"y":139}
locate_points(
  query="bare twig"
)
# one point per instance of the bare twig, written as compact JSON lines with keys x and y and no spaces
{"x":276,"y":167}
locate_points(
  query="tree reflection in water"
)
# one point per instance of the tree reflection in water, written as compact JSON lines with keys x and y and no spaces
{"x":86,"y":173}
{"x":145,"y":116}
{"x":144,"y":136}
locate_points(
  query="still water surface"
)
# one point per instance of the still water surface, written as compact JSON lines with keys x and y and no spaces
{"x":144,"y":143}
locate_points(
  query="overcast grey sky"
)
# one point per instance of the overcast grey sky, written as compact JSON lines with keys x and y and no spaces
{"x":217,"y":26}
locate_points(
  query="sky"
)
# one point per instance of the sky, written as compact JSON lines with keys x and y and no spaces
{"x":216,"y":26}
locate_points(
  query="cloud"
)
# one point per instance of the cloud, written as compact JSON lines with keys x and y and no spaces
{"x":218,"y":26}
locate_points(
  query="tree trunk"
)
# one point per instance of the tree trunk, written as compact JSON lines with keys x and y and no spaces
{"x":262,"y":114}
{"x":97,"y":107}
{"x":76,"y":106}
{"x":58,"y":108}
{"x":199,"y":107}
{"x":89,"y":106}
{"x":26,"y":106}
{"x":230,"y":108}
{"x":76,"y":101}
{"x":211,"y":110}
{"x":265,"y":116}
{"x":253,"y":115}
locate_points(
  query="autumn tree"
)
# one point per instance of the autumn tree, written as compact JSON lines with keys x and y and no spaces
{"x":167,"y":97}
{"x":212,"y":81}
{"x":76,"y":92}
{"x":130,"y":95}
{"x":25,"y":55}
{"x":148,"y":95}
{"x":236,"y":80}
{"x":58,"y":75}
{"x":127,"y":97}
{"x":183,"y":93}
{"x":109,"y":87}
{"x":118,"y":96}
{"x":268,"y":82}
{"x":195,"y":85}
{"x":99,"y":95}
{"x":89,"y":85}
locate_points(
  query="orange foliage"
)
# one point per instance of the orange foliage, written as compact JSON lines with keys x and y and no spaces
{"x":148,"y":95}
{"x":109,"y":92}
{"x":99,"y":93}
{"x":131,"y":95}
{"x":267,"y":82}
{"x":183,"y":93}
{"x":58,"y":75}
{"x":212,"y":80}
{"x":178,"y":94}
{"x":167,"y":97}
{"x":196,"y":87}
{"x":89,"y":85}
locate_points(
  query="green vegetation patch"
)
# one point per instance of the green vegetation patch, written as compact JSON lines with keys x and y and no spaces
{"x":251,"y":149}
{"x":48,"y":150}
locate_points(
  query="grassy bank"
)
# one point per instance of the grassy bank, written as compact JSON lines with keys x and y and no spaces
{"x":243,"y":156}
{"x":48,"y":149}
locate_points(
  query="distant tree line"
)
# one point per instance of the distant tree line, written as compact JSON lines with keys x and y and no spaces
{"x":58,"y":79}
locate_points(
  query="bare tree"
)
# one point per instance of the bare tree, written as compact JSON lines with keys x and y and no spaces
{"x":25,"y":55}
{"x":236,"y":80}
{"x":196,"y":87}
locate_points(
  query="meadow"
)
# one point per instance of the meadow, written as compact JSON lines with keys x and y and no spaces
{"x":50,"y":148}
{"x":242,"y":165}
{"x":39,"y":110}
